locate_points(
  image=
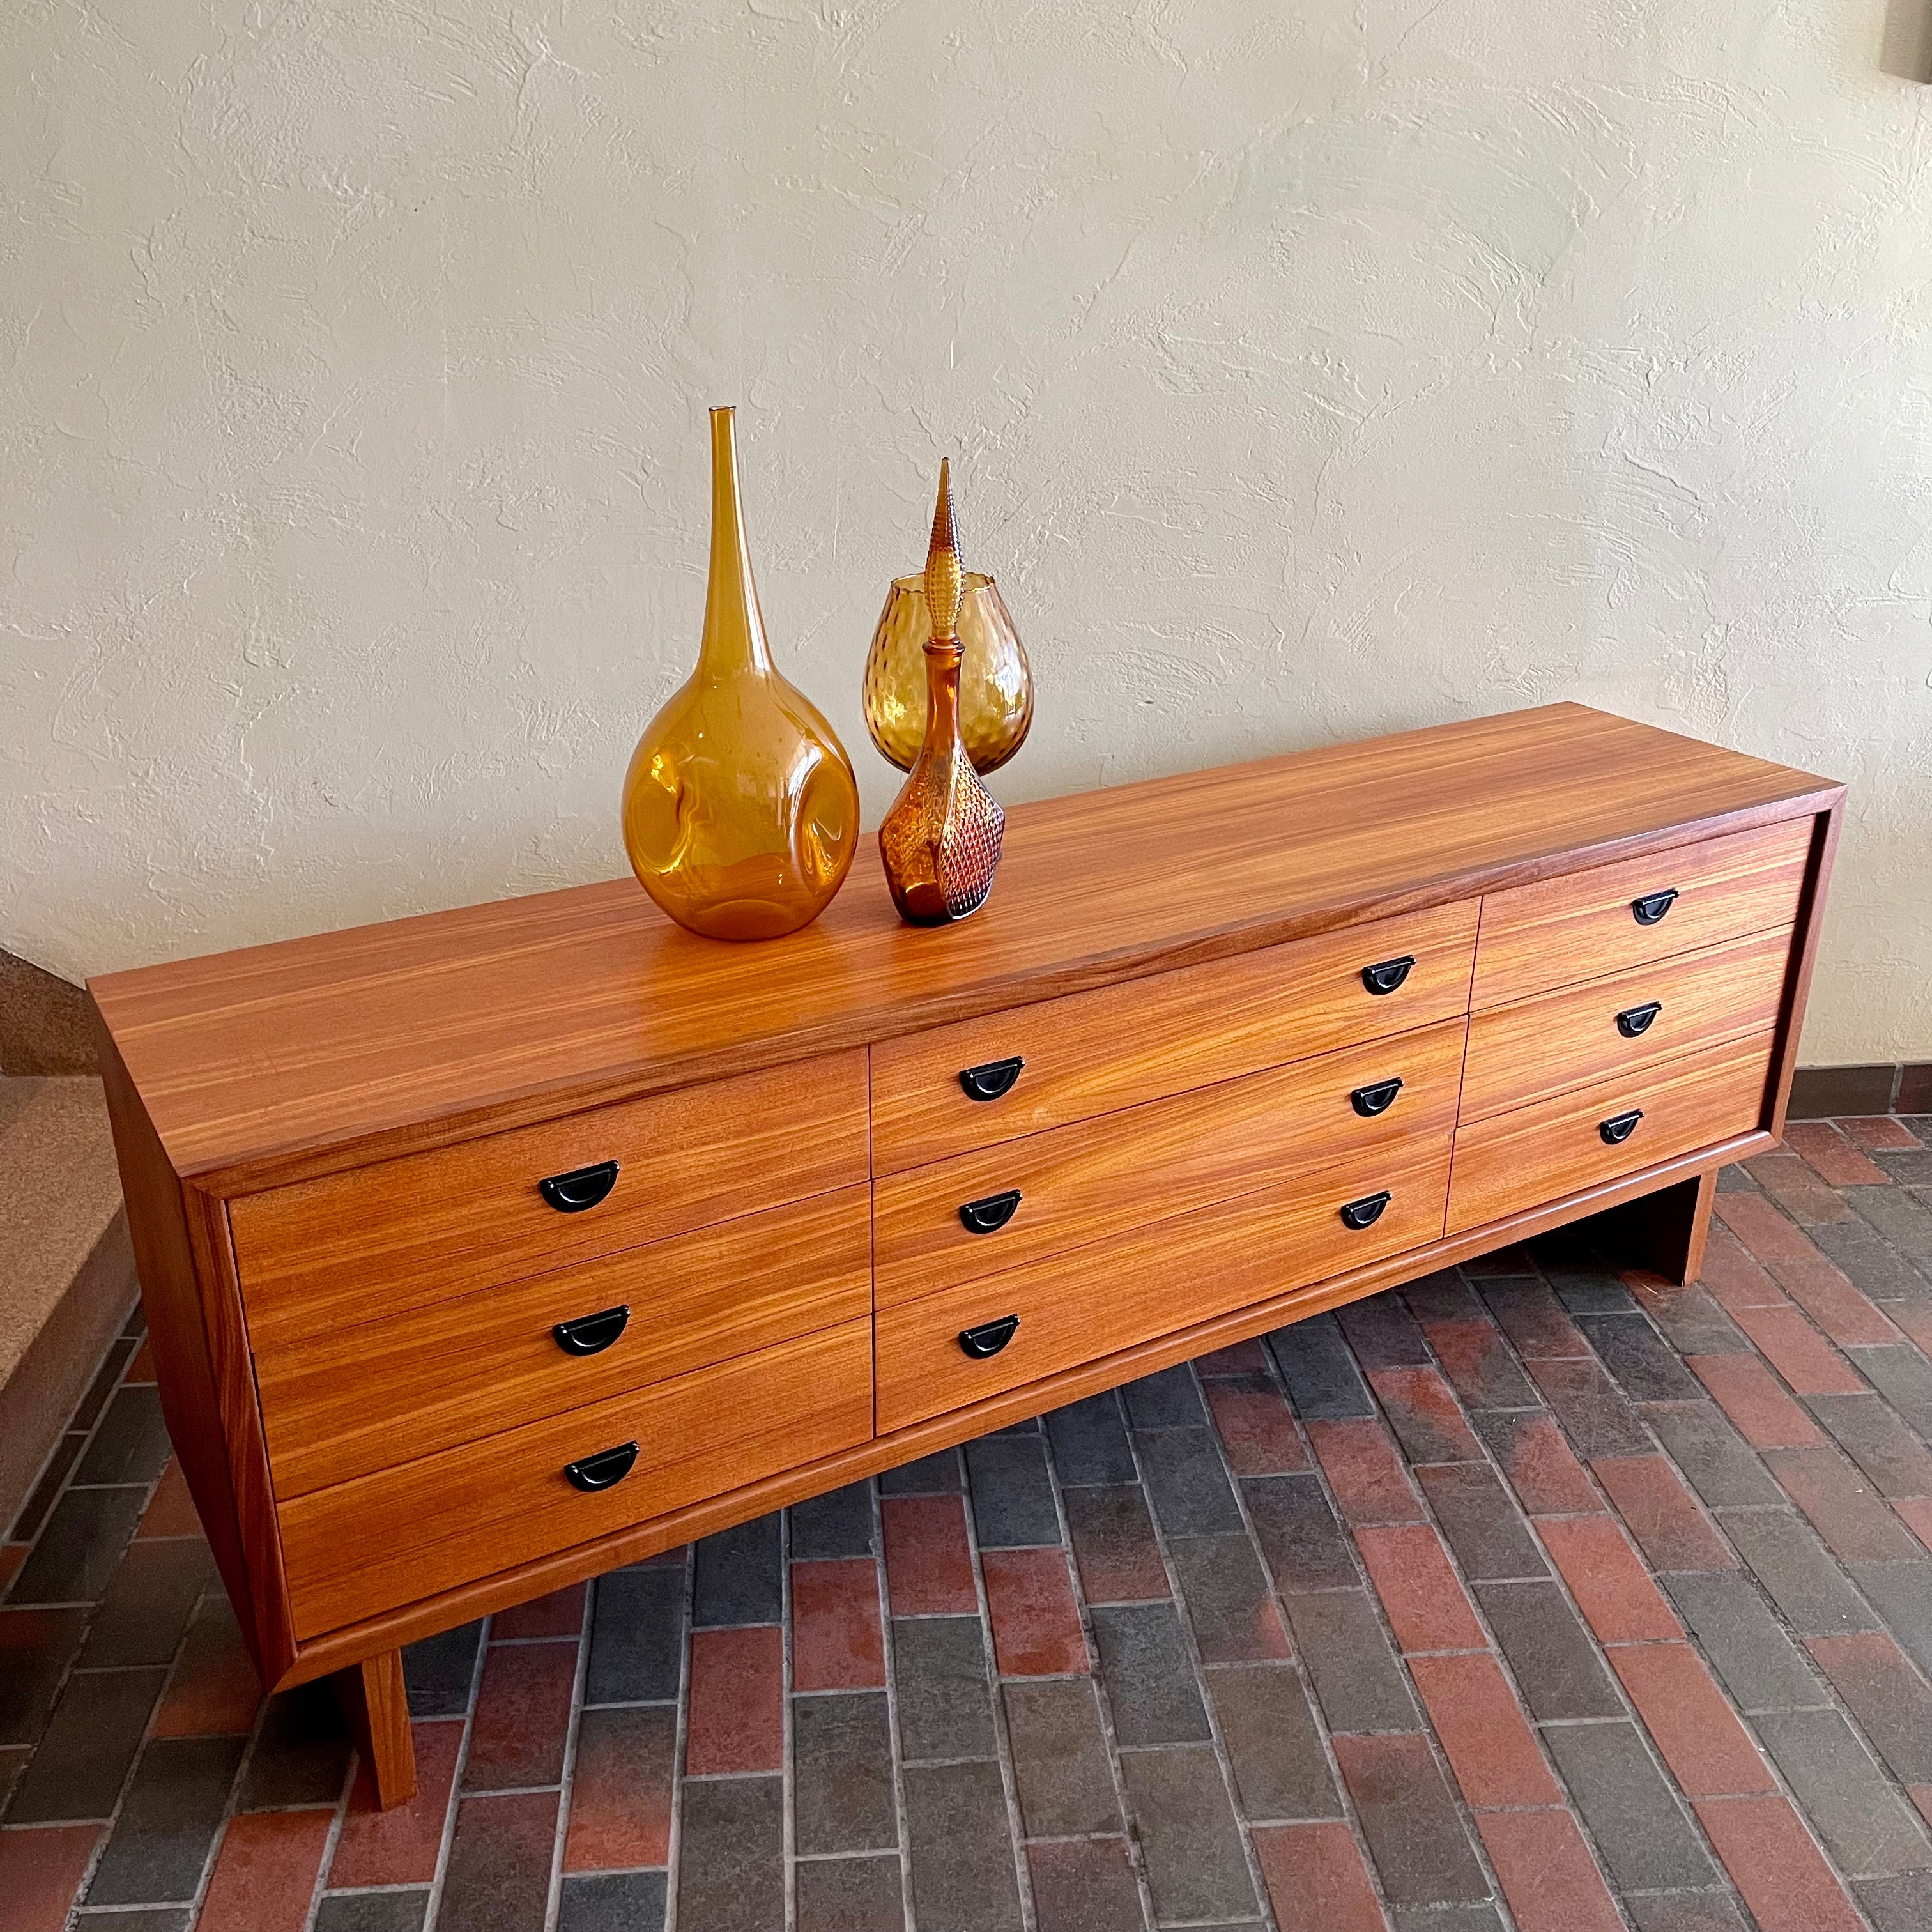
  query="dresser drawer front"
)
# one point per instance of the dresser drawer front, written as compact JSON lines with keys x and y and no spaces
{"x":358,"y":1549}
{"x":1077,"y":1307}
{"x":1586,"y":924}
{"x":1623,"y":1023}
{"x":405,"y":1233}
{"x":1539,"y":1154}
{"x":1092,"y":1053}
{"x":1083,"y":1183}
{"x":351,"y":1401}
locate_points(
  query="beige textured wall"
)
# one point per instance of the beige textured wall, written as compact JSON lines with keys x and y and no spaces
{"x":1312,"y":370}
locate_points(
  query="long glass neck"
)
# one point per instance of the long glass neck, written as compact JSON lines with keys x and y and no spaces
{"x":942,"y":695}
{"x":734,"y":627}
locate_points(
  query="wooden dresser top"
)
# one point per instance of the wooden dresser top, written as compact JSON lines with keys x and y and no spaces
{"x":285,"y":1060}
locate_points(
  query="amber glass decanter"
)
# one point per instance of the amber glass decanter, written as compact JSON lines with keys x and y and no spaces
{"x":940,"y":841}
{"x":741,"y":811}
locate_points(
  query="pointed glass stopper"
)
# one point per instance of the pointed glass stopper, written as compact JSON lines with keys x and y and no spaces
{"x":943,"y":578}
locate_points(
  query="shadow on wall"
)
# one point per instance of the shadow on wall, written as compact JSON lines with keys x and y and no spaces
{"x":1906,"y":50}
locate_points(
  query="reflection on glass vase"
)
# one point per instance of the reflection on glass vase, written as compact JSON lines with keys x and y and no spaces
{"x":940,"y":841}
{"x":741,"y":811}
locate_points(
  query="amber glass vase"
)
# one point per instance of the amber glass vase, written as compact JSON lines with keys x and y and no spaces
{"x":995,"y":680}
{"x":741,"y":811}
{"x":940,"y":842}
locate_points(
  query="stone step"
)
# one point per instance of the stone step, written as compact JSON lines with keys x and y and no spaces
{"x":67,"y":1271}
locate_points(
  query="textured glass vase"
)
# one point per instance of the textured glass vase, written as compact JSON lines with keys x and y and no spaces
{"x":995,"y":680}
{"x":741,"y":811}
{"x":940,"y":841}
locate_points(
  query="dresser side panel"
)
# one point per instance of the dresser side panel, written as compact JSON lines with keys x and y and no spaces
{"x":160,"y":1222}
{"x":1804,"y":957}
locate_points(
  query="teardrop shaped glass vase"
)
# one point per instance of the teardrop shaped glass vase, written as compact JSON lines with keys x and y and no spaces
{"x":741,"y":810}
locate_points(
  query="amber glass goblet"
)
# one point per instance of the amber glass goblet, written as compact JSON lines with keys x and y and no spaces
{"x":995,"y":680}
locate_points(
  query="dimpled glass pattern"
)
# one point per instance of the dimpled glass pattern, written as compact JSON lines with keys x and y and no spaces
{"x":741,"y":810}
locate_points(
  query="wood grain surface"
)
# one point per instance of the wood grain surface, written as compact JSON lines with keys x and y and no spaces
{"x":343,"y":1401}
{"x":359,"y":1548}
{"x":1102,"y":1176}
{"x":405,"y":1233}
{"x":1553,"y":1147}
{"x":1151,"y":1278}
{"x":315,"y":1055}
{"x":635,"y":1542}
{"x":1825,"y":828}
{"x":1533,"y":1048}
{"x":1091,"y":1053}
{"x":1581,"y":926}
{"x":195,"y":1352}
{"x":375,"y":1701}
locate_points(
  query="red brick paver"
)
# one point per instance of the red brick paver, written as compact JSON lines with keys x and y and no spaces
{"x":401,"y":1846}
{"x":1607,"y":1577}
{"x":40,"y":1869}
{"x":1035,"y":1628}
{"x":737,"y":1713}
{"x":1315,"y":1879}
{"x":265,"y":1874}
{"x":1691,"y":1720}
{"x":1421,"y":1595}
{"x":1656,"y":1502}
{"x":836,"y":1645}
{"x":1551,"y":1881}
{"x":1491,"y":1749}
{"x":929,"y":1565}
{"x":1756,"y":1401}
{"x":1784,"y":1878}
{"x":1365,"y":1470}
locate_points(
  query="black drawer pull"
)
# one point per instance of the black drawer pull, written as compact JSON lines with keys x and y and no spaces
{"x":1387,"y":974}
{"x":1619,"y":1127}
{"x":989,"y":1338}
{"x":602,"y":1471}
{"x":1634,"y":1020}
{"x":592,"y":1334}
{"x":989,"y":1214}
{"x":582,"y":1187}
{"x":989,"y":1082}
{"x":1651,"y":907}
{"x":1365,"y":1212}
{"x":1379,"y":1099}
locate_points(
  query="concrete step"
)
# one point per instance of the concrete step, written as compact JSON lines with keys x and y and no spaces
{"x":67,"y":1271}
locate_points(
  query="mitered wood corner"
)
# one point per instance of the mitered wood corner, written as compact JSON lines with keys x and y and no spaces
{"x":486,"y":1250}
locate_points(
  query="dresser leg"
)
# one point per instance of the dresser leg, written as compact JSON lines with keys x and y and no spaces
{"x":1664,"y":1231}
{"x":378,"y":1710}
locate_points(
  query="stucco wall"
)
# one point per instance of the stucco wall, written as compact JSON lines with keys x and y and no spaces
{"x":1311,"y":370}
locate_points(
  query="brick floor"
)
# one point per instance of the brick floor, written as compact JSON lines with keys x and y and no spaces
{"x":1533,"y":1596}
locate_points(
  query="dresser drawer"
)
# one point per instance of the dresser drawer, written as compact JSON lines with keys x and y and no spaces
{"x":1586,"y":924}
{"x":1540,"y":1153}
{"x":1077,"y":1307}
{"x":1082,"y":1183}
{"x":349,"y":1401}
{"x":1092,"y":1053}
{"x":1623,"y":1023}
{"x":360,"y":1548}
{"x":404,"y":1234}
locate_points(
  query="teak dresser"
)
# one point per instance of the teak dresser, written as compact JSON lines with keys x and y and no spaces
{"x":485,"y":1251}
